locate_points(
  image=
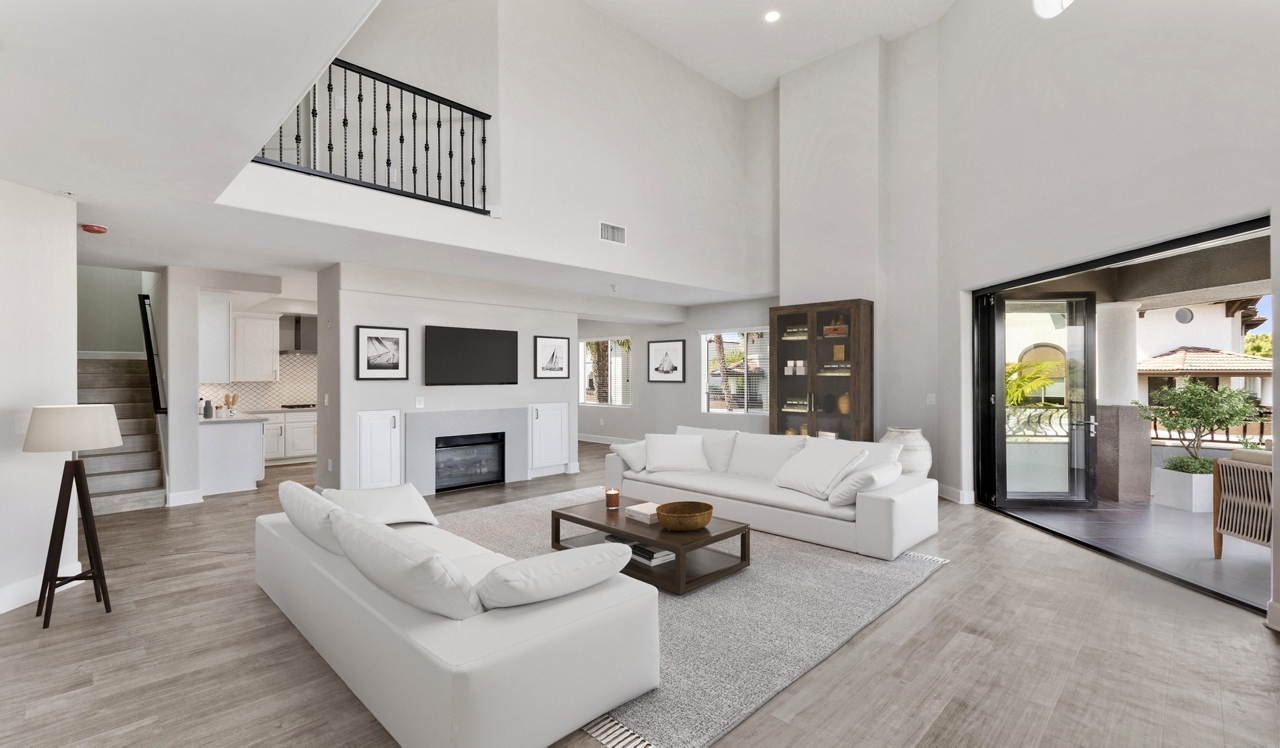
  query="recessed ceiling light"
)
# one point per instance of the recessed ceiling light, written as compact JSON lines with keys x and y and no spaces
{"x":772,"y":16}
{"x":93,"y":228}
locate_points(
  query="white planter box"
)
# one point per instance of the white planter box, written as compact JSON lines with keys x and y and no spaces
{"x":1185,"y":491}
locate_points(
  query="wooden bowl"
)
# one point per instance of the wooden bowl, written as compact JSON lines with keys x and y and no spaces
{"x":684,"y":516}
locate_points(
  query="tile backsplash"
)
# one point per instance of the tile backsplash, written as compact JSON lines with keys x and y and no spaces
{"x":297,"y":385}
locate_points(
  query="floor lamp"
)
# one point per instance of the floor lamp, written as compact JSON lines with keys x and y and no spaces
{"x":72,"y":428}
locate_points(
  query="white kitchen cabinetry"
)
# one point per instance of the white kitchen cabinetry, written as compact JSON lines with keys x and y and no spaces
{"x":299,"y":434}
{"x":548,"y":438}
{"x":379,"y":432}
{"x":256,"y":348}
{"x":214,"y":329}
{"x":273,"y":444}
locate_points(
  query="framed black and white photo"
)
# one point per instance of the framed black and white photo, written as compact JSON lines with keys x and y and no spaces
{"x":550,"y":357}
{"x":666,"y":361}
{"x":382,"y":353}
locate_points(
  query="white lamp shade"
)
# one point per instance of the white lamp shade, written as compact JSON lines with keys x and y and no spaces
{"x":72,"y":428}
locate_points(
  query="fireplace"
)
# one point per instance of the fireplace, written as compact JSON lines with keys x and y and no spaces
{"x":470,"y":460}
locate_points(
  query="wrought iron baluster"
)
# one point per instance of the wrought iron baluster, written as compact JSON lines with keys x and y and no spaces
{"x":329,"y":87}
{"x":388,"y":135}
{"x":439,"y":174}
{"x":414,"y":150}
{"x":345,"y":122}
{"x":402,"y":138}
{"x":473,"y":161}
{"x":280,"y":146}
{"x":360,"y":128}
{"x":297,"y":135}
{"x":374,"y":167}
{"x":314,"y":114}
{"x":484,"y":165}
{"x":462,"y":154}
{"x":450,"y":154}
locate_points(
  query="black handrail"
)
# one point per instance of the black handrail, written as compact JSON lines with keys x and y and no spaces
{"x":297,"y":146}
{"x":153,"y":356}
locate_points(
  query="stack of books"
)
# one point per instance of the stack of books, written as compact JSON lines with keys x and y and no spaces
{"x":643,"y":553}
{"x":646,"y":512}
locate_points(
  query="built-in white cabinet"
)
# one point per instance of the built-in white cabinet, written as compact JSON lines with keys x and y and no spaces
{"x":548,"y":435}
{"x":300,"y":434}
{"x":256,"y":348}
{"x":273,"y":446}
{"x":379,"y":432}
{"x":214,"y":329}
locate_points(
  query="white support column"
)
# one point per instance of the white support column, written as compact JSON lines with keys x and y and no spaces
{"x":1117,"y":354}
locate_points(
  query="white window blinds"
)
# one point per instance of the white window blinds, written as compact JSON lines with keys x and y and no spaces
{"x":735,"y":372}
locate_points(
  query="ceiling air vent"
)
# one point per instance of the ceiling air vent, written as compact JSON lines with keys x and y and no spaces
{"x":611,"y":233}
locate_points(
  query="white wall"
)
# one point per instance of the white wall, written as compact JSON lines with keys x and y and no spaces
{"x":373,"y":297}
{"x":107,"y":317}
{"x":657,"y":408}
{"x":1159,"y":331}
{"x":38,"y":336}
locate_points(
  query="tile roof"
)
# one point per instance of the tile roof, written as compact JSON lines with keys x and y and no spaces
{"x":1189,"y":359}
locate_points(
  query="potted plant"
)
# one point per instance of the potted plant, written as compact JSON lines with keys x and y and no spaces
{"x":1190,"y":412}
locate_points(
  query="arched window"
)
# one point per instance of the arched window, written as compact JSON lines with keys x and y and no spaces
{"x":1054,"y":361}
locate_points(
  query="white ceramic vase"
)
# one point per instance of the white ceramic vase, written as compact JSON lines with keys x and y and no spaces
{"x":916,"y":457}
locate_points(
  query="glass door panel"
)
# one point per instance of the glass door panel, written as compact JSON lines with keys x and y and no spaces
{"x":1044,"y":409}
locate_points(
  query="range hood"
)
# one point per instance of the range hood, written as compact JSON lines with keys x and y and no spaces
{"x":298,"y":334}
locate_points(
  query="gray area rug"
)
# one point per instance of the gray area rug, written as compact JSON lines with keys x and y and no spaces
{"x":729,"y":647}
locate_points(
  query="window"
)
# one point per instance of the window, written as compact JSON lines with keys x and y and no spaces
{"x":735,"y":372}
{"x":606,"y":372}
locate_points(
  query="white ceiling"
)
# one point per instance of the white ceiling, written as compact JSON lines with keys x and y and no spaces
{"x":729,"y":41}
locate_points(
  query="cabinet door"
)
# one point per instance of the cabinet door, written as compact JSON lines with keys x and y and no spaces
{"x":273,"y":441}
{"x":214,"y":337}
{"x":548,"y":434}
{"x":299,"y":439}
{"x":257,"y":349}
{"x":379,"y":448}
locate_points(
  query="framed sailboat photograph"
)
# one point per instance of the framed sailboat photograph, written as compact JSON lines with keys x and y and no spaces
{"x":382,"y":353}
{"x":550,"y":357}
{"x":666,"y":361}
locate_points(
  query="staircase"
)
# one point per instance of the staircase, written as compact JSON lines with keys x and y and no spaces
{"x":127,"y":477}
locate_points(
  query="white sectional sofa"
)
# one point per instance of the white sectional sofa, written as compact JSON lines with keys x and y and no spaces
{"x":509,"y":676}
{"x":882,"y":522}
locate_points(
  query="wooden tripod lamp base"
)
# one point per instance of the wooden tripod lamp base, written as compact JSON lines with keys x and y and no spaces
{"x":72,"y":428}
{"x":72,"y":473}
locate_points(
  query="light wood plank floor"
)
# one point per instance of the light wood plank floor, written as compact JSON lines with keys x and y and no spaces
{"x":1022,"y":640}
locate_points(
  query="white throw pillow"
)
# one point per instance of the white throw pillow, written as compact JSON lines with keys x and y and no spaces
{"x":309,"y":512}
{"x":763,"y":455}
{"x":387,"y":506}
{"x":874,"y":477}
{"x":667,"y":452}
{"x":552,"y":575}
{"x":633,"y":454}
{"x":717,"y":445}
{"x":412,"y":572}
{"x":817,"y":468}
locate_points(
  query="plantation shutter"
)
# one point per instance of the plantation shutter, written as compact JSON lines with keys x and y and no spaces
{"x":620,"y":372}
{"x":758,"y":361}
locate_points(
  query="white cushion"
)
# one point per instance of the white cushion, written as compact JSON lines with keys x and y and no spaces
{"x":633,"y":454}
{"x":551,"y":575}
{"x":750,"y":490}
{"x":717,"y":445}
{"x":1255,"y":456}
{"x":402,"y":503}
{"x":817,"y":468}
{"x":874,"y":477}
{"x":309,"y":512}
{"x":763,"y":455}
{"x":453,"y":546}
{"x":675,"y":452}
{"x":414,"y":573}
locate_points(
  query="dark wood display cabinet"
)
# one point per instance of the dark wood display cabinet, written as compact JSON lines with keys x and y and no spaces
{"x":820,"y":369}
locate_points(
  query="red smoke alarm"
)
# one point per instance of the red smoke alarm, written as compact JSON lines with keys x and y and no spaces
{"x":93,"y":228}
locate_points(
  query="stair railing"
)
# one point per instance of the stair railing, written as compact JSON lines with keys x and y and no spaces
{"x":155,"y":370}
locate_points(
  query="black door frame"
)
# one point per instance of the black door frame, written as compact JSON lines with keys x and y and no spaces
{"x":987,"y":474}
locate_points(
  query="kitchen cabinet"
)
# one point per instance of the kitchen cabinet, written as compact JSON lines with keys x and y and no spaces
{"x":256,"y":348}
{"x":273,"y":445}
{"x":379,"y":439}
{"x":213,"y":314}
{"x":548,"y":435}
{"x":300,"y":434}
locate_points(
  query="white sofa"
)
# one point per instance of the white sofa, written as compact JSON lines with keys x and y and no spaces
{"x":519,"y":676}
{"x":882,"y":523}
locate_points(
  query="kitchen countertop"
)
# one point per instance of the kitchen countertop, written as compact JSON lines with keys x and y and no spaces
{"x":282,"y":410}
{"x":239,"y":418}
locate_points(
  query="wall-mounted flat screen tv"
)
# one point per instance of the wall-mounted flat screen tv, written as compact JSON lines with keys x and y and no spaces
{"x":462,"y":355}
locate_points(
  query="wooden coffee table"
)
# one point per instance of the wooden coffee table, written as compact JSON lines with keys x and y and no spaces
{"x":694,"y":566}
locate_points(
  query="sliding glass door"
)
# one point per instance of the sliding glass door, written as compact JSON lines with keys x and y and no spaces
{"x":1036,"y":430}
